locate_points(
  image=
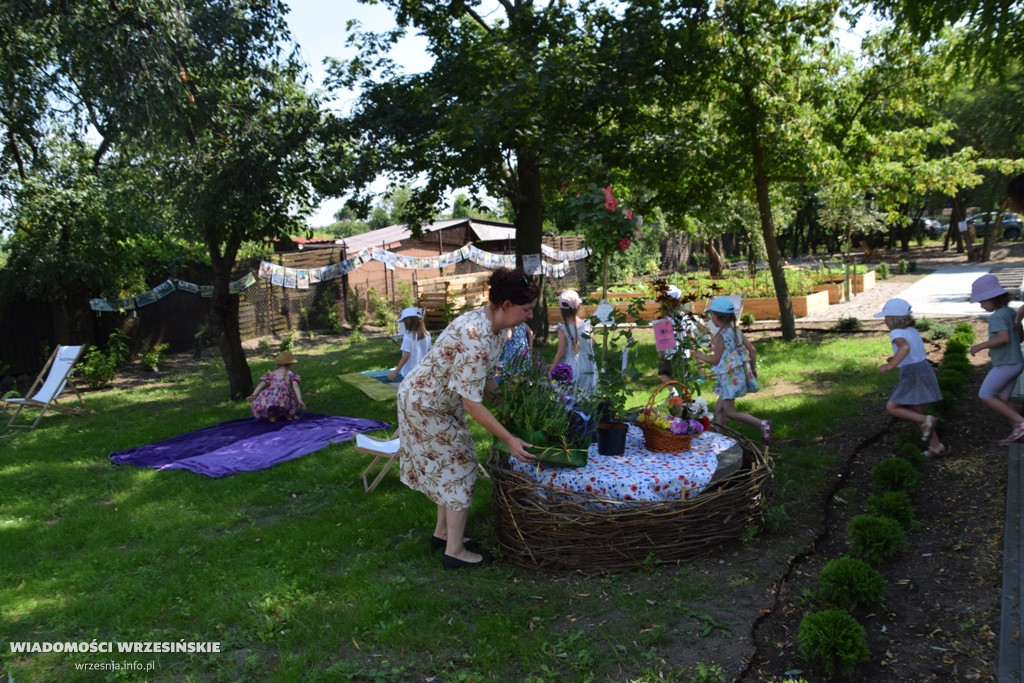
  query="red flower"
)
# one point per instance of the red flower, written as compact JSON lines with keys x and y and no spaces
{"x":608,"y":192}
{"x":624,"y":244}
{"x":611,"y":203}
{"x":706,"y":421}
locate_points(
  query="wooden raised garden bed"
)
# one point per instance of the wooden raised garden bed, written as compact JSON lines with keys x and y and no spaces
{"x":768,"y":308}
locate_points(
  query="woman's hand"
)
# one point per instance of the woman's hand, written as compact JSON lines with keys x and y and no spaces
{"x":517,"y":447}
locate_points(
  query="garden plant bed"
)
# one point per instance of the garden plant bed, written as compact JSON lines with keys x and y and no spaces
{"x":940,"y":614}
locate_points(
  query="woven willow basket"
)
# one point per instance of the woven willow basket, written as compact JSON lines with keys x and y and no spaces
{"x":661,"y":440}
{"x":544,"y":526}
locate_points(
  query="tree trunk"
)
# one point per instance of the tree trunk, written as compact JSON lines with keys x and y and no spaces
{"x":527,"y":201}
{"x":764,"y":209}
{"x":224,"y":322}
{"x":715,"y":262}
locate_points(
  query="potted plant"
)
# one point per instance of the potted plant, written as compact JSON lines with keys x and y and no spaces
{"x":546,"y":410}
{"x":614,"y":387}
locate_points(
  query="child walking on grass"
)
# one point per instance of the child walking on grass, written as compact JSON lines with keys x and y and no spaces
{"x":917,"y":385}
{"x":278,"y":394}
{"x":1003,"y":346}
{"x":415,"y":342}
{"x":734,"y":362}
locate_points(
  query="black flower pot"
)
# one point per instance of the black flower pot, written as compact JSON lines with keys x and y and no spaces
{"x":611,"y":438}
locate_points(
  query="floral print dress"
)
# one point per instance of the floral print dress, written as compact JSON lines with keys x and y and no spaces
{"x":437,"y":456}
{"x":276,"y":400}
{"x":730,"y":372}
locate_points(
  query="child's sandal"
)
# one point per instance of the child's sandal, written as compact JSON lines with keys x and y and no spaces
{"x":927,"y":428}
{"x":1016,"y":435}
{"x":938,"y":451}
{"x":766,"y":431}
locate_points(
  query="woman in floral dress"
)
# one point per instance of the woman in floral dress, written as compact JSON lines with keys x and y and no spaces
{"x":437,"y":455}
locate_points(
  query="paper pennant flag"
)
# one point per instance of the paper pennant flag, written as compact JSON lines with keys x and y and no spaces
{"x":100,"y":305}
{"x":163,"y":289}
{"x":188,"y":287}
{"x":145,"y":299}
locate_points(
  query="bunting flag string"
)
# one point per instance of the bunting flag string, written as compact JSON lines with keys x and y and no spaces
{"x":302,"y":278}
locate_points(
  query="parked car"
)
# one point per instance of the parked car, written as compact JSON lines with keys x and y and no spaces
{"x":933,"y":228}
{"x":1012,"y":227}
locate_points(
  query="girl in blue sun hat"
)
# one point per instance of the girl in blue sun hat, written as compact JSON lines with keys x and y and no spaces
{"x":1003,"y":346}
{"x":917,"y":386}
{"x":734,"y":362}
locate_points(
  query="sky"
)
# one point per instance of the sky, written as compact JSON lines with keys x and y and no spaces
{"x":318,"y":26}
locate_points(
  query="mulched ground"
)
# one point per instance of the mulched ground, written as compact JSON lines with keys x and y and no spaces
{"x":940,"y":616}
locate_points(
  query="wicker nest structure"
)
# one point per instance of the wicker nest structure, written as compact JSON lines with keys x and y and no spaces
{"x":543,"y":526}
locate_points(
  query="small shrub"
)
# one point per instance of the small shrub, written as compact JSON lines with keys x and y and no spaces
{"x":833,"y":639}
{"x":912,"y":266}
{"x":848,"y":325}
{"x":967,"y":329}
{"x":355,"y":313}
{"x":707,"y":673}
{"x":875,"y":539}
{"x":747,"y":320}
{"x":951,"y":381}
{"x":940,"y":331}
{"x":911,"y":451}
{"x":882,"y":270}
{"x":151,"y":359}
{"x":895,"y":474}
{"x":924,"y":324}
{"x":958,"y":346}
{"x":384,"y":314}
{"x":775,"y":518}
{"x":287,"y":342}
{"x":849,"y":583}
{"x":97,"y":368}
{"x":894,"y":505}
{"x":901,"y":267}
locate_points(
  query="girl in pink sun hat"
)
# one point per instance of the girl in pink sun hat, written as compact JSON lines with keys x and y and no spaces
{"x":1003,"y":346}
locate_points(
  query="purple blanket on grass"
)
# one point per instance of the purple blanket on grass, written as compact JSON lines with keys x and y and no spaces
{"x":245,"y":445}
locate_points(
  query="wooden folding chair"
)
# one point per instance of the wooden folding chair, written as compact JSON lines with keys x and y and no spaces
{"x":49,"y":385}
{"x":382,"y":450}
{"x":870,"y":253}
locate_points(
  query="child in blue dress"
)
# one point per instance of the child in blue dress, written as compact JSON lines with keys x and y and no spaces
{"x":917,"y":386}
{"x":734,"y":362}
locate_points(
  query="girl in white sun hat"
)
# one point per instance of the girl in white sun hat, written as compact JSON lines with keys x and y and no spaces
{"x":1003,"y":346}
{"x":917,"y":386}
{"x":415,"y":342}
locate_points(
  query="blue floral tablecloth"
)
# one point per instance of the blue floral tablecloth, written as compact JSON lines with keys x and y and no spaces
{"x":638,"y":474}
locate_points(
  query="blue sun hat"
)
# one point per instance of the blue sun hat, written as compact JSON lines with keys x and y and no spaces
{"x":986,"y":287}
{"x":894,"y":308}
{"x":720,"y":304}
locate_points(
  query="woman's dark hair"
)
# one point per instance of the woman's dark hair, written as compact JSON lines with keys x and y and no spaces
{"x":511,"y":284}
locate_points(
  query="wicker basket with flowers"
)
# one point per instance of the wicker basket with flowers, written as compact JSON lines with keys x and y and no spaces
{"x":671,"y":426}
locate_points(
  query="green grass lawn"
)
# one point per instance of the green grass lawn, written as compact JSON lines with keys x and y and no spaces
{"x":298,"y":574}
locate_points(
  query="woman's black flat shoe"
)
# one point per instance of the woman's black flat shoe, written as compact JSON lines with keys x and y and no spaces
{"x":449,"y":562}
{"x":440,"y":543}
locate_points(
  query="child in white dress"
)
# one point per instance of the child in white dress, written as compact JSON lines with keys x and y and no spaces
{"x":575,"y":343}
{"x":415,"y":342}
